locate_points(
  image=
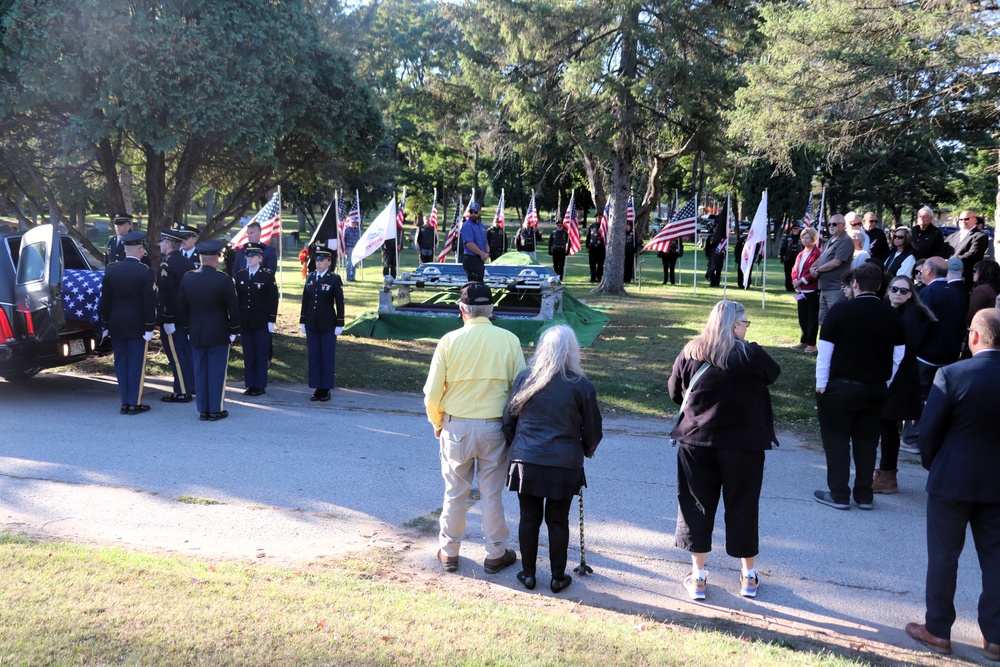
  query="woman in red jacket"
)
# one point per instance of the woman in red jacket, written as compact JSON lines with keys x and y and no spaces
{"x":807,"y":290}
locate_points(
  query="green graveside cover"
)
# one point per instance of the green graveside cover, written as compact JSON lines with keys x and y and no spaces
{"x":586,"y":322}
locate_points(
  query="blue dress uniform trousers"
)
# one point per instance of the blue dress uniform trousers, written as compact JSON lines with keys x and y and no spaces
{"x":256,"y":356}
{"x":178,"y":350}
{"x":322,"y":348}
{"x":210,"y":364}
{"x":130,"y":368}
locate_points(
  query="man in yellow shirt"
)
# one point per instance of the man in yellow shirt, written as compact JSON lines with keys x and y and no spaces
{"x":467,"y":387}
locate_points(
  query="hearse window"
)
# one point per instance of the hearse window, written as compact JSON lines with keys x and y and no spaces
{"x":31,"y":267}
{"x":72,"y":259}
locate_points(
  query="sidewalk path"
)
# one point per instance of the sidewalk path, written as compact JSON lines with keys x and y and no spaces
{"x":299,"y":480}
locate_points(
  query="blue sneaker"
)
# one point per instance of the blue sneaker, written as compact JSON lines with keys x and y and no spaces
{"x":748,"y":585}
{"x":695,"y":587}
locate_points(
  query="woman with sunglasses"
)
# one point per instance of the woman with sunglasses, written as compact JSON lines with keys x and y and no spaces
{"x":985,"y":287}
{"x":903,"y":399}
{"x":900,"y":261}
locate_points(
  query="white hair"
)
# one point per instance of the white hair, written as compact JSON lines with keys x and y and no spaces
{"x":558,"y":353}
{"x":476,"y":311}
{"x":928,"y":210}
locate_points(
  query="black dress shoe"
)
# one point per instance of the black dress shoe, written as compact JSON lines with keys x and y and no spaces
{"x":203,"y":417}
{"x":124,"y":409}
{"x":137,"y":409}
{"x":249,"y":391}
{"x":558,"y":584}
{"x":169,"y":398}
{"x":216,"y":416}
{"x":315,"y":396}
{"x":324,"y":395}
{"x":527,"y":580}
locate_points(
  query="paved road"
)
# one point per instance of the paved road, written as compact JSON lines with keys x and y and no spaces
{"x":300,"y":480}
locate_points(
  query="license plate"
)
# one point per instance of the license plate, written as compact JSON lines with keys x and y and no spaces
{"x":76,"y":347}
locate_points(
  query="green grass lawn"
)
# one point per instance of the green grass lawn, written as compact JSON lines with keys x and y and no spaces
{"x":72,"y":605}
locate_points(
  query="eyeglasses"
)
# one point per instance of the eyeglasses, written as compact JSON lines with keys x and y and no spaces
{"x":899,"y":238}
{"x":743,"y":322}
{"x":899,"y":290}
{"x":855,"y":224}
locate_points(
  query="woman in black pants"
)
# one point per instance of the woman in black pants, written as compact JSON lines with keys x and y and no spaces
{"x":724,"y":427}
{"x":552,"y":422}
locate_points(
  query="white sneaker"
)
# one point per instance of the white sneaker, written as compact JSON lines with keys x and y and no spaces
{"x":695,"y":587}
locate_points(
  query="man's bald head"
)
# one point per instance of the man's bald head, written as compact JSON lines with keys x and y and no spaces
{"x":986,"y":326}
{"x":936,"y":266}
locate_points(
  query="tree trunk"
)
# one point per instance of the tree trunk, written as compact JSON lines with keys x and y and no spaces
{"x":623,"y":152}
{"x":156,"y":190}
{"x":108,"y":161}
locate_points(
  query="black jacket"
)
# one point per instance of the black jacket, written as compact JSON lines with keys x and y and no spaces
{"x":172,"y":270}
{"x":559,"y":425}
{"x":559,"y":241}
{"x":496,"y":238}
{"x":258,"y":297}
{"x":943,"y":342}
{"x":207,"y":307}
{"x":128,"y":302}
{"x":322,"y":302}
{"x":729,"y":409}
{"x":526,"y":239}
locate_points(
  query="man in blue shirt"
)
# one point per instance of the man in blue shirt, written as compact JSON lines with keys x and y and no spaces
{"x":474,"y":247}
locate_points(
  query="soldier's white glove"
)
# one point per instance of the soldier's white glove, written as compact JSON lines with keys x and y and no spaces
{"x":148,"y":336}
{"x":170,"y":329}
{"x":104,"y":334}
{"x":232,"y":338}
{"x":303,"y":328}
{"x":338,"y":331}
{"x":270,"y":327}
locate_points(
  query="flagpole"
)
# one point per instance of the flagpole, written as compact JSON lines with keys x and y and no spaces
{"x":725,"y":269}
{"x":763,"y":288}
{"x":281,"y":267}
{"x":694,"y":278}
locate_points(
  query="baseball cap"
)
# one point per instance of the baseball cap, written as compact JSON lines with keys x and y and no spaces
{"x":475,"y":294}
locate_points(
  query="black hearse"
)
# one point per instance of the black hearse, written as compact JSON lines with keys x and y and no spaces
{"x":35,"y":331}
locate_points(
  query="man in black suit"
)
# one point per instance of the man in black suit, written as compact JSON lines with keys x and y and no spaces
{"x":927,"y":238}
{"x":128,"y":312}
{"x":595,"y":251}
{"x":878,"y":244}
{"x":942,"y":343}
{"x":176,"y":347}
{"x":258,"y":295}
{"x":969,"y":244}
{"x":208,"y":310}
{"x":959,"y":446}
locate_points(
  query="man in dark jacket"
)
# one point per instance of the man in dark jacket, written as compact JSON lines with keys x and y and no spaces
{"x":878,"y":245}
{"x":558,"y":247}
{"x":208,"y":311}
{"x":426,"y":242}
{"x":176,"y":347}
{"x":322,"y":320}
{"x":496,"y":238}
{"x":258,"y":298}
{"x":968,"y":244}
{"x":595,"y":251}
{"x":128,"y":311}
{"x":527,"y":239}
{"x":959,"y":446}
{"x":928,"y":240}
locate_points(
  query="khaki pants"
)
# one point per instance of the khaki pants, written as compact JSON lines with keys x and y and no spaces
{"x":466,"y":444}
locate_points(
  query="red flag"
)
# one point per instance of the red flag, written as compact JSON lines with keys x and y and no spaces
{"x":572,"y":224}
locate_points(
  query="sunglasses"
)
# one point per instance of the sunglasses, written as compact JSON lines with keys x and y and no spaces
{"x":899,"y":238}
{"x":964,"y":219}
{"x":855,"y":224}
{"x":899,"y":290}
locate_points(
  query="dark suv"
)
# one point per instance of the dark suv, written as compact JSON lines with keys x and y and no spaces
{"x":41,"y":325}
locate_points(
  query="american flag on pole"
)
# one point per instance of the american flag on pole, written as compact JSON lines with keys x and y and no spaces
{"x":433,"y":220}
{"x":682,"y":224}
{"x":401,"y":211}
{"x":531,"y":217}
{"x":269,"y":219}
{"x":572,"y":225}
{"x":498,"y":216}
{"x":630,"y":210}
{"x":341,"y":222}
{"x":354,"y":215}
{"x":452,"y":238}
{"x":807,"y":219}
{"x":604,"y":222}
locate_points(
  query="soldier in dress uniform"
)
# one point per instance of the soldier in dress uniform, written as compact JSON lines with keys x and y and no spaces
{"x":189,"y":243}
{"x":114,"y":249}
{"x":177,"y":348}
{"x":128,"y":312}
{"x":322,"y":320}
{"x":258,"y":295}
{"x":208,"y":311}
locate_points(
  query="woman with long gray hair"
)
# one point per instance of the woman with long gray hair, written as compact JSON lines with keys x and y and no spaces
{"x":724,"y":427}
{"x":552,"y":422}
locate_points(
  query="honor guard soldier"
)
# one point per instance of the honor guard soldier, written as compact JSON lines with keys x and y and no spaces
{"x":128,"y":312}
{"x":114,"y":249}
{"x":258,"y":296}
{"x":176,"y":346}
{"x":208,"y":311}
{"x":189,"y":244}
{"x":322,"y":320}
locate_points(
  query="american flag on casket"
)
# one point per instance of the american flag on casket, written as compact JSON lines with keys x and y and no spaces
{"x":81,"y":292}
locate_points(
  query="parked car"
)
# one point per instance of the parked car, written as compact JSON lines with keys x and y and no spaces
{"x":37,"y":328}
